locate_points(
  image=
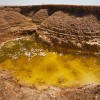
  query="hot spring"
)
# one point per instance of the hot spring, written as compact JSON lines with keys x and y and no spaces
{"x":31,"y":64}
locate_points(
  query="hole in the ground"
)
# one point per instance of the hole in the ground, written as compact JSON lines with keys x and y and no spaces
{"x":33,"y":65}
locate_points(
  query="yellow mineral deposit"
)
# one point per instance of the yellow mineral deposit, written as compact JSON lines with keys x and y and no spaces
{"x":33,"y":65}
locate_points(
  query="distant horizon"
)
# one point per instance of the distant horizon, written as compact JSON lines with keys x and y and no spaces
{"x":50,"y":2}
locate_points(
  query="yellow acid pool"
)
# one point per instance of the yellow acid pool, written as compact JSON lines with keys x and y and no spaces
{"x":33,"y":65}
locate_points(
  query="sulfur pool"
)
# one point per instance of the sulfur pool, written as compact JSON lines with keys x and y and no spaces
{"x":31,"y":64}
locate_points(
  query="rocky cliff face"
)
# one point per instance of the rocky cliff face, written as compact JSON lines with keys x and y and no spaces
{"x":71,"y":27}
{"x":70,"y":31}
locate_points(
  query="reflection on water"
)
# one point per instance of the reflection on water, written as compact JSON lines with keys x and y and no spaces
{"x":31,"y":64}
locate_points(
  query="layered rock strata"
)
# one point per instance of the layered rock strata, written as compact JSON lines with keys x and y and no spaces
{"x":71,"y":32}
{"x":14,"y":24}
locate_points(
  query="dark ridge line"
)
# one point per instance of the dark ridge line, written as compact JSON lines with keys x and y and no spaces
{"x":71,"y":8}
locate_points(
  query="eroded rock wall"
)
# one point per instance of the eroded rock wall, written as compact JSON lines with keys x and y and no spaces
{"x":71,"y":27}
{"x":13,"y":24}
{"x":68,"y":26}
{"x":70,"y":31}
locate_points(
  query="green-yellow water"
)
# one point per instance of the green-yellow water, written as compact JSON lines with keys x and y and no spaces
{"x":33,"y":65}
